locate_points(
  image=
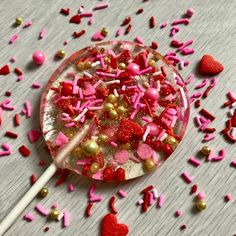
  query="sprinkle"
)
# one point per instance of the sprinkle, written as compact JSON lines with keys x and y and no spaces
{"x":81,"y":115}
{"x":190,"y":12}
{"x":122,"y":193}
{"x":29,"y":217}
{"x":194,"y":189}
{"x":148,"y":188}
{"x":161,"y":201}
{"x":28,"y":109}
{"x":5,"y":70}
{"x":186,"y":177}
{"x":33,"y":179}
{"x":154,"y":45}
{"x":139,"y":11}
{"x":184,"y":21}
{"x":155,"y":193}
{"x":79,"y":34}
{"x":152,"y":22}
{"x":140,"y":201}
{"x":24,"y":151}
{"x":112,"y":205}
{"x":201,"y":196}
{"x":13,"y":38}
{"x":16,"y":120}
{"x":110,"y":75}
{"x":13,"y":59}
{"x":127,"y":30}
{"x":46,"y":229}
{"x":66,"y":218}
{"x":65,"y":11}
{"x":233,"y":163}
{"x":36,"y":85}
{"x":88,"y":209}
{"x":100,"y":6}
{"x":163,"y":25}
{"x":34,"y":135}
{"x":194,"y":161}
{"x":220,"y":157}
{"x":7,"y":150}
{"x":41,"y":209}
{"x":86,"y":14}
{"x":139,"y":40}
{"x":91,"y":21}
{"x":208,"y":137}
{"x":178,"y":213}
{"x":113,"y":144}
{"x":146,"y":133}
{"x":188,"y":51}
{"x":119,"y":32}
{"x":71,"y":187}
{"x":27,"y":24}
{"x":42,"y":33}
{"x":1,"y":116}
{"x":183,"y":227}
{"x":207,"y":114}
{"x":228,"y":197}
{"x":185,"y":44}
{"x":126,"y":21}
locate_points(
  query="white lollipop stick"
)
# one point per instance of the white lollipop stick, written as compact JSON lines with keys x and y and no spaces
{"x":44,"y":178}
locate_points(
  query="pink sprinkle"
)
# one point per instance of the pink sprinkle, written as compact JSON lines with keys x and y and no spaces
{"x":91,"y":190}
{"x":187,"y":178}
{"x":160,"y":201}
{"x":140,"y":201}
{"x":113,"y":144}
{"x":151,"y":200}
{"x":42,"y":33}
{"x":220,"y":157}
{"x":91,"y":21}
{"x":97,"y":36}
{"x":189,"y":79}
{"x":36,"y":85}
{"x":163,"y":24}
{"x":202,"y":84}
{"x":144,"y":71}
{"x":188,"y":51}
{"x":185,"y":44}
{"x":54,"y":205}
{"x":41,"y":209}
{"x":13,"y":38}
{"x":178,"y":213}
{"x":184,"y":21}
{"x":122,"y":193}
{"x":20,"y":77}
{"x":101,"y":6}
{"x":66,"y":219}
{"x":190,"y":12}
{"x":34,"y":135}
{"x":29,"y":217}
{"x":119,"y":32}
{"x":27,"y":24}
{"x":13,"y":59}
{"x":61,"y":139}
{"x":228,"y":197}
{"x":233,"y":163}
{"x":96,"y":198}
{"x":28,"y":109}
{"x":173,"y":58}
{"x":75,"y":89}
{"x":174,"y":30}
{"x":71,"y":187}
{"x":214,"y":82}
{"x":194,"y":161}
{"x":208,"y":137}
{"x":139,"y":40}
{"x":201,"y":196}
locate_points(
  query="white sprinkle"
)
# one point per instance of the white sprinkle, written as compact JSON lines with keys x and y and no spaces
{"x":80,"y":115}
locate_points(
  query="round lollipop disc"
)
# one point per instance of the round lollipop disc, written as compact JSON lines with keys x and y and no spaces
{"x":134,"y":101}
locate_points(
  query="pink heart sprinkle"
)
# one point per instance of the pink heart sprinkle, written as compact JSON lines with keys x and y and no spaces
{"x":97,"y":36}
{"x":89,"y":90}
{"x":34,"y":135}
{"x":61,"y":139}
{"x":122,"y":156}
{"x":144,"y":151}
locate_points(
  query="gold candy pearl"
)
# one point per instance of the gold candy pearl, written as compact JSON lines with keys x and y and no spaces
{"x":111,"y":98}
{"x":77,"y":151}
{"x":126,"y":146}
{"x":121,"y":110}
{"x":18,"y":21}
{"x":107,"y":60}
{"x":149,"y":165}
{"x":102,"y":138}
{"x":43,"y":192}
{"x":54,"y":214}
{"x":152,"y":63}
{"x":61,"y":53}
{"x":104,"y":31}
{"x":69,"y":133}
{"x":171,"y":140}
{"x":205,"y":150}
{"x":90,"y":147}
{"x":113,"y":114}
{"x":108,"y":106}
{"x":80,"y":66}
{"x":94,"y":167}
{"x":201,"y":205}
{"x":122,"y":66}
{"x":87,"y":64}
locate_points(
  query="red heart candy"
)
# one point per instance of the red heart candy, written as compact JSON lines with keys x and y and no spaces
{"x":209,"y":66}
{"x":5,"y":70}
{"x":110,"y":226}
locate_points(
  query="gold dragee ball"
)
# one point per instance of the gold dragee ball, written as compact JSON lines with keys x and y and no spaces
{"x":152,"y":63}
{"x":43,"y":192}
{"x":69,"y":133}
{"x":54,"y":214}
{"x":149,"y":164}
{"x":107,"y":60}
{"x":113,"y":114}
{"x":90,"y":147}
{"x":104,"y":31}
{"x":80,"y":66}
{"x":206,"y":150}
{"x":171,"y":140}
{"x":61,"y":53}
{"x":201,"y":205}
{"x":121,"y":110}
{"x":108,"y":106}
{"x":126,"y":146}
{"x":77,"y":151}
{"x":94,"y":167}
{"x":18,"y":21}
{"x":111,"y":98}
{"x":122,"y":66}
{"x":102,"y":138}
{"x":87,"y":64}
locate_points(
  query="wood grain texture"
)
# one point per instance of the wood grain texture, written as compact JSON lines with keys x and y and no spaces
{"x":214,"y":32}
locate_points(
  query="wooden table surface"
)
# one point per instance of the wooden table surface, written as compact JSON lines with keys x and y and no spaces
{"x":213,"y":30}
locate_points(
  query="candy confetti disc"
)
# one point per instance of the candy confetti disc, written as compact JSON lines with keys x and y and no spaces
{"x":133,"y":100}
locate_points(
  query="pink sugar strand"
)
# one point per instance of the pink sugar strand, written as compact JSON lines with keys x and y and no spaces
{"x":209,"y":137}
{"x":27,"y":24}
{"x":101,"y":6}
{"x":190,"y":12}
{"x":160,"y":201}
{"x":13,"y":38}
{"x":184,"y":21}
{"x":163,"y":24}
{"x":228,"y":197}
{"x":86,"y":14}
{"x":28,"y":109}
{"x":29,"y":217}
{"x":139,"y":40}
{"x":41,"y":210}
{"x":71,"y":187}
{"x":202,"y":84}
{"x":220,"y":157}
{"x":189,"y":79}
{"x":188,"y":51}
{"x":119,"y":32}
{"x":233,"y":163}
{"x":66,"y":218}
{"x":151,"y":199}
{"x":201,"y":196}
{"x":185,"y":44}
{"x":194,"y":161}
{"x":36,"y":85}
{"x":42,"y":33}
{"x":178,"y":213}
{"x":187,"y":178}
{"x":122,"y":193}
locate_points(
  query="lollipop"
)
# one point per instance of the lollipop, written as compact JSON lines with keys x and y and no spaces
{"x":113,"y":111}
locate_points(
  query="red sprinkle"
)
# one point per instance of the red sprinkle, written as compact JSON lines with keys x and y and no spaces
{"x":207,"y":114}
{"x":148,"y":188}
{"x":78,"y":34}
{"x":41,"y":163}
{"x":194,"y":189}
{"x":33,"y":179}
{"x":112,"y":205}
{"x":197,"y":103}
{"x":18,"y":71}
{"x":88,"y":209}
{"x":46,"y":229}
{"x":62,"y":178}
{"x":65,"y":11}
{"x":11,"y":134}
{"x":154,"y":45}
{"x":146,"y":201}
{"x":209,"y":130}
{"x":206,"y":92}
{"x":8,"y":93}
{"x":183,"y":227}
{"x":126,"y":21}
{"x":128,"y":29}
{"x":16,"y":120}
{"x":24,"y":151}
{"x":152,"y":22}
{"x":139,"y":11}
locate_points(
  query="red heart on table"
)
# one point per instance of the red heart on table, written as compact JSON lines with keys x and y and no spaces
{"x":5,"y":70}
{"x":110,"y":226}
{"x":209,"y":66}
